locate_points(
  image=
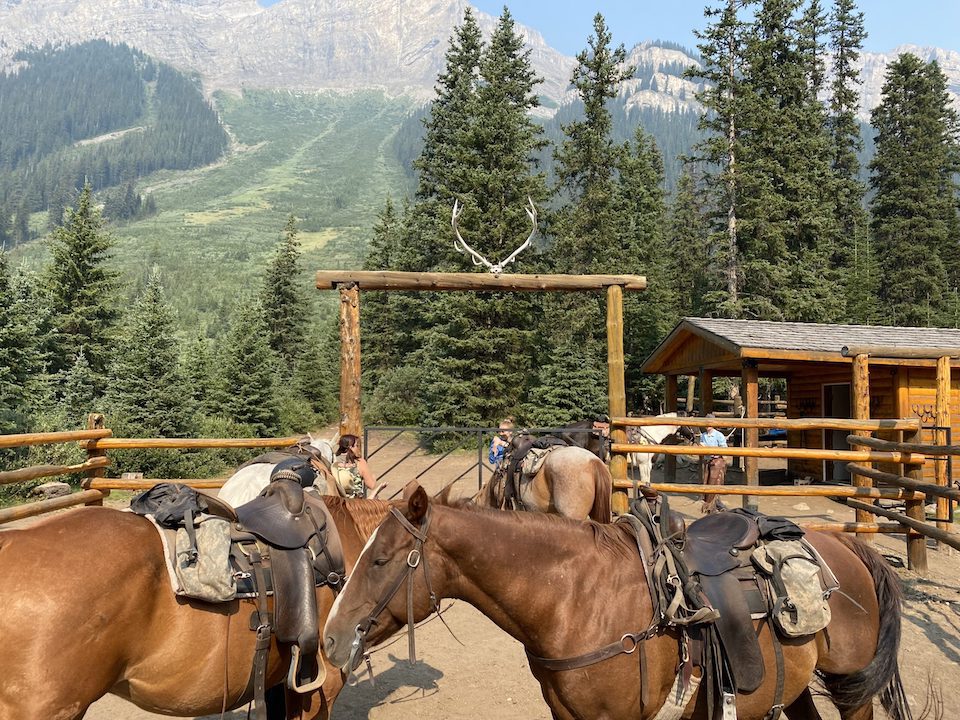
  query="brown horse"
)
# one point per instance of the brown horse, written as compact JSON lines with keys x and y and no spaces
{"x":572,"y":482}
{"x":88,"y":610}
{"x":566,"y":588}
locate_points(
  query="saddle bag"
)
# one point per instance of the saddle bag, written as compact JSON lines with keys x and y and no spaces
{"x":800,"y":605}
{"x":172,"y":505}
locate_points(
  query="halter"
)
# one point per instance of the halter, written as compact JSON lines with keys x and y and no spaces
{"x":414,"y":559}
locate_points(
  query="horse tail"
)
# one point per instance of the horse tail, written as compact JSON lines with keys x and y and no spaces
{"x":882,"y":675}
{"x":602,"y":492}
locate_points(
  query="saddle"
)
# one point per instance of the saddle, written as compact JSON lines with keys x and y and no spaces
{"x":518,"y":451}
{"x":702,"y":580}
{"x":284,"y":544}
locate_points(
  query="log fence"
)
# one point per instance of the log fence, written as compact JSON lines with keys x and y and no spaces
{"x":910,"y":488}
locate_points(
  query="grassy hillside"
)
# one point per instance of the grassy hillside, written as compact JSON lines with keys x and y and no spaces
{"x":328,"y":159}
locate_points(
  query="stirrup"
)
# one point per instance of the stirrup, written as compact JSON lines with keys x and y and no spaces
{"x":292,"y":673}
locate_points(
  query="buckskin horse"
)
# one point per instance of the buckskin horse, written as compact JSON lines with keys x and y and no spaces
{"x":569,"y":590}
{"x":572,"y":482}
{"x":88,"y":610}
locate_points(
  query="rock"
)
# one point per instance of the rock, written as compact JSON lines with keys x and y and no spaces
{"x":801,"y":506}
{"x":51,"y":490}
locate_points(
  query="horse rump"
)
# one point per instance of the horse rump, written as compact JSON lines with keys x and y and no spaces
{"x":882,"y":676}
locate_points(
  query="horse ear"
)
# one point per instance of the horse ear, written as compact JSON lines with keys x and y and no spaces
{"x":417,"y":502}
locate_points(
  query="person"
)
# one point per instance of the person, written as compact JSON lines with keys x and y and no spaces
{"x":500,"y":443}
{"x":713,"y":468}
{"x":352,"y":472}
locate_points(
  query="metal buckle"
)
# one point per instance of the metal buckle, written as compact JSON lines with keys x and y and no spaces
{"x":413,"y":558}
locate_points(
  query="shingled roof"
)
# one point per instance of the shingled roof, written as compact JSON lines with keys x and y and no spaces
{"x":793,"y":340}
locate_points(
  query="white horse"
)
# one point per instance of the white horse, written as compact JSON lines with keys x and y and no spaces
{"x":249,"y":481}
{"x":649,"y":435}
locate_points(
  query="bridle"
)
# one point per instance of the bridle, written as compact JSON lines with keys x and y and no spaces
{"x":415,"y":558}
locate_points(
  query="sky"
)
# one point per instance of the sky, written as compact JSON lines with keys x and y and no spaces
{"x":566,"y":24}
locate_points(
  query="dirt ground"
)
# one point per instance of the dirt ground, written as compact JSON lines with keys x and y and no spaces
{"x":488,"y":676}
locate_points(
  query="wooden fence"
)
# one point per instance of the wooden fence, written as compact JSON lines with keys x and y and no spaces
{"x":908,"y":486}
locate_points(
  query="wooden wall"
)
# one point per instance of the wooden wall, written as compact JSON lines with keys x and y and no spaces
{"x":805,"y":399}
{"x":918,"y":399}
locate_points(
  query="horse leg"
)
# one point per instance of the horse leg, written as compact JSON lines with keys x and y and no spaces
{"x":803,"y":708}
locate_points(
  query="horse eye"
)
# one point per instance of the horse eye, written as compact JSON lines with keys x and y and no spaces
{"x":380,"y":562}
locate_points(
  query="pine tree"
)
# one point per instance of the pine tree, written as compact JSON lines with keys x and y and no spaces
{"x":915,"y":226}
{"x":18,"y":355}
{"x":200,"y":375}
{"x":692,"y":269}
{"x":81,"y":394}
{"x":284,"y":306}
{"x":148,"y":392}
{"x":81,"y":288}
{"x":249,"y":370}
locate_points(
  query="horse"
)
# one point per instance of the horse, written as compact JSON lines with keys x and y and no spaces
{"x":652,"y":435}
{"x":572,"y":482}
{"x":88,"y":610}
{"x":253,"y":476}
{"x":569,"y":590}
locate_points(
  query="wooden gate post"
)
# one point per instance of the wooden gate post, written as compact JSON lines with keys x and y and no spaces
{"x":860,"y":389}
{"x":95,"y":421}
{"x":751,"y":400}
{"x":351,"y":421}
{"x":618,"y":390}
{"x":943,"y":422}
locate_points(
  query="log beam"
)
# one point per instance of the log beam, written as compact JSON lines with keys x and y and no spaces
{"x":941,"y":464}
{"x":906,"y":353}
{"x":773,"y":452}
{"x":910,"y":447}
{"x":35,"y":472}
{"x":860,"y":389}
{"x":839,"y":491}
{"x":191,"y":443}
{"x":670,"y":405}
{"x":21,"y":512}
{"x":350,"y":412}
{"x":905,"y":482}
{"x":617,"y":391}
{"x":475,"y":281}
{"x":749,"y":390}
{"x":49,"y":438}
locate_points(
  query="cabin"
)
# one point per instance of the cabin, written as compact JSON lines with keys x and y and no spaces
{"x":841,"y":371}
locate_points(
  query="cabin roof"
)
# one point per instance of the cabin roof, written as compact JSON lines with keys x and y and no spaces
{"x":722,"y":343}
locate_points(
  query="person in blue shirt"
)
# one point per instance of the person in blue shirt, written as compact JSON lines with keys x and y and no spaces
{"x":713,"y":468}
{"x":500,"y":443}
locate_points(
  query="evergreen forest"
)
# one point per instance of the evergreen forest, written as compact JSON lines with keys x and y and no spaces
{"x":759,"y":207}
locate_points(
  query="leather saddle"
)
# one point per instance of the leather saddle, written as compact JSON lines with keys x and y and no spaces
{"x":714,"y":548}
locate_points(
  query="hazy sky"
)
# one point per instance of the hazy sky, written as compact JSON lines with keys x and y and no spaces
{"x":566,"y":24}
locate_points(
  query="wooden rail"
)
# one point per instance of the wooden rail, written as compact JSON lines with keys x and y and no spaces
{"x":41,"y":471}
{"x":21,"y":512}
{"x":891,"y":445}
{"x":855,"y":527}
{"x":49,"y":438}
{"x":905,"y":482}
{"x":780,"y":490}
{"x":190,"y":443}
{"x":787,"y":452}
{"x":913,"y":523}
{"x":778,"y":423}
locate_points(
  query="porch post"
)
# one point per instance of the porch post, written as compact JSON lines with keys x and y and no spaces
{"x":706,"y":391}
{"x":670,"y":405}
{"x":943,"y":422}
{"x":860,"y":389}
{"x":751,"y":400}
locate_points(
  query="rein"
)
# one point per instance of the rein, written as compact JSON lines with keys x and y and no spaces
{"x":415,"y":558}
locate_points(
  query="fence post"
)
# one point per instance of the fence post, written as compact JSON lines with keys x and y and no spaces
{"x":860,"y":389}
{"x":751,"y":399}
{"x":95,"y":421}
{"x":916,"y":543}
{"x":350,"y":413}
{"x":670,"y":405}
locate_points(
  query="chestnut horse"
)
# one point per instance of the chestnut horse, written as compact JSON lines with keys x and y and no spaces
{"x":565,"y":589}
{"x":572,"y":482}
{"x":88,"y":610}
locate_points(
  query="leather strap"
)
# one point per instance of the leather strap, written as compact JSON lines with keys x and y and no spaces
{"x":626,"y":645}
{"x":777,"y":709}
{"x":264,"y":630}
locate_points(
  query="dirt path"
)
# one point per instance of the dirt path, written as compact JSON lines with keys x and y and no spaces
{"x":489,"y":677}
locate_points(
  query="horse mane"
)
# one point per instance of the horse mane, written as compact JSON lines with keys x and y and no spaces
{"x":609,"y":538}
{"x":365,"y":515}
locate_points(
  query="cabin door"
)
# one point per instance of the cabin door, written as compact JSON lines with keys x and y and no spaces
{"x":836,"y":404}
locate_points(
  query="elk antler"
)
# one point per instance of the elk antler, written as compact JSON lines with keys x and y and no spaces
{"x":461,"y":245}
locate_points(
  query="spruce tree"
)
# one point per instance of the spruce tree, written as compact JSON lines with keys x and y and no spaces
{"x":18,"y":355}
{"x":148,"y":393}
{"x":82,"y":288}
{"x":594,"y":232}
{"x":915,"y":226}
{"x":284,"y":306}
{"x":200,"y":374}
{"x":692,"y":270}
{"x":854,"y":253}
{"x":249,"y":370}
